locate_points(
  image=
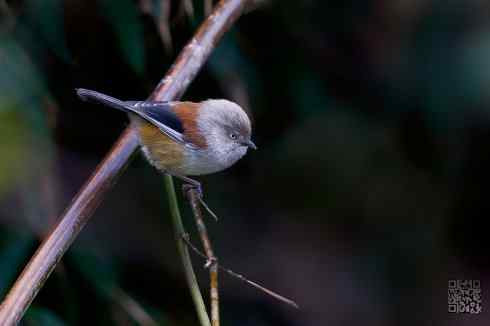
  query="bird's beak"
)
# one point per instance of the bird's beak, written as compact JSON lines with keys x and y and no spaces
{"x":250,"y":144}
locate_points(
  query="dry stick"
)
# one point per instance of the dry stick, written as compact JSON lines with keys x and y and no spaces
{"x":132,"y":307}
{"x":208,"y":5}
{"x":188,"y":8}
{"x":193,"y":196}
{"x":240,"y":276}
{"x":91,"y":194}
{"x":161,"y":20}
{"x":8,"y":18}
{"x":5,"y":9}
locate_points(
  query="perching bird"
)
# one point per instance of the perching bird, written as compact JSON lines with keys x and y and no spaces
{"x":185,"y":138}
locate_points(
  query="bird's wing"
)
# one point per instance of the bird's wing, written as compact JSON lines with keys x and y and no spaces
{"x":161,"y":115}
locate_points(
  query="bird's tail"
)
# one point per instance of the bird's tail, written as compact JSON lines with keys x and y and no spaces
{"x":96,"y":97}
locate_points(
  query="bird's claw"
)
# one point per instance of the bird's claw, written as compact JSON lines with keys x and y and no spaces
{"x":186,"y":187}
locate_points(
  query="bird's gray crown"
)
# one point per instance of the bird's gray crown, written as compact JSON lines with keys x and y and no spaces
{"x":225,"y":114}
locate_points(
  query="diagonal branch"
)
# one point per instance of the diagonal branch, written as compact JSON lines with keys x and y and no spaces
{"x":171,"y":87}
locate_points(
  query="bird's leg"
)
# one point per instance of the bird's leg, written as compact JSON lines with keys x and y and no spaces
{"x":196,"y":185}
{"x":189,"y":184}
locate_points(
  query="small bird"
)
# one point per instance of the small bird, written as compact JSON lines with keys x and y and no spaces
{"x":185,"y":138}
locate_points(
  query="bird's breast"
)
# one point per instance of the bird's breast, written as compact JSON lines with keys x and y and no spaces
{"x":208,"y":161}
{"x":199,"y":162}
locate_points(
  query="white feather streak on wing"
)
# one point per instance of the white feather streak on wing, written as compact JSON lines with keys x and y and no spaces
{"x":173,"y":134}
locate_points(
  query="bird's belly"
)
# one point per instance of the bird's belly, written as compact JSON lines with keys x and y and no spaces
{"x":171,"y":159}
{"x":161,"y":151}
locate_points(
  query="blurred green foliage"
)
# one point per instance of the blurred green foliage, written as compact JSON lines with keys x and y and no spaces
{"x":40,"y":316}
{"x":13,"y":142}
{"x":15,"y":249}
{"x":46,"y":17}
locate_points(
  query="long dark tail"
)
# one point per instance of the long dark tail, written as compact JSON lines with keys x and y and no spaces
{"x":96,"y":97}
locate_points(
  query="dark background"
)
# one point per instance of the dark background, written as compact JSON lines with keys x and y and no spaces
{"x":368,"y":193}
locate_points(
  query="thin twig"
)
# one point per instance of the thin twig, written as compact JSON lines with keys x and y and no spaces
{"x":184,"y":253}
{"x":5,"y":9}
{"x":188,"y":8}
{"x":194,"y":196}
{"x":176,"y":81}
{"x":6,"y":16}
{"x":240,"y":276}
{"x":159,"y":11}
{"x":208,"y":5}
{"x":132,"y":307}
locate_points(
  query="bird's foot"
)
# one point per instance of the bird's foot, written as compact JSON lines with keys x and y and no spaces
{"x":191,"y":184}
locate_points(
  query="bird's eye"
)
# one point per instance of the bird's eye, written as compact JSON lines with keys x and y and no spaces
{"x":233,"y":136}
